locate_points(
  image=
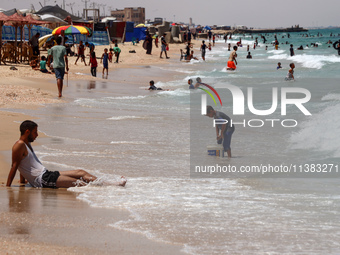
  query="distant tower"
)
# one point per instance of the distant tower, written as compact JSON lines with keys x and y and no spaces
{"x":190,"y":21}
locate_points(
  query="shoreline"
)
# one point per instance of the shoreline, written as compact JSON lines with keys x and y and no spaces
{"x":38,"y":90}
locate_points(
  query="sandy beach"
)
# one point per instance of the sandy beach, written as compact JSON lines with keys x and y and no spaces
{"x":33,"y":220}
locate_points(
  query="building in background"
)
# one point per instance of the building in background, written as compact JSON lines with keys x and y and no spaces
{"x":136,"y":15}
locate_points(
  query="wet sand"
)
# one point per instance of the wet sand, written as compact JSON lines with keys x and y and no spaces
{"x":33,"y":220}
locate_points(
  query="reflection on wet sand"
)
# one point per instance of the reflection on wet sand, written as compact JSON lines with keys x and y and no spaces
{"x":27,"y":207}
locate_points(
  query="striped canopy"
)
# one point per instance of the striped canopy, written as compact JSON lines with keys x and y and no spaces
{"x":72,"y":30}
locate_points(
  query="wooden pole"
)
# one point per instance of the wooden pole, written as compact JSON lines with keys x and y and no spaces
{"x":1,"y":24}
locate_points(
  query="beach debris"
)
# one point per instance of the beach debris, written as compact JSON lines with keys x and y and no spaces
{"x":11,"y":94}
{"x":13,"y":68}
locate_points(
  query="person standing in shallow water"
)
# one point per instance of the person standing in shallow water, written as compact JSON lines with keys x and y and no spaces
{"x":60,"y":61}
{"x":291,"y":50}
{"x":203,"y":49}
{"x":231,"y":65}
{"x":224,"y":131}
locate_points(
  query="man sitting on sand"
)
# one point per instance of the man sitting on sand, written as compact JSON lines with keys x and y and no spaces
{"x":31,"y":169}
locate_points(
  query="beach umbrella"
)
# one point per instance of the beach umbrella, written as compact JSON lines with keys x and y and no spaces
{"x":44,"y":39}
{"x":72,"y":30}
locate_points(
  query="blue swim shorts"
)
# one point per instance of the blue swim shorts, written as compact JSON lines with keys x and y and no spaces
{"x":59,"y":73}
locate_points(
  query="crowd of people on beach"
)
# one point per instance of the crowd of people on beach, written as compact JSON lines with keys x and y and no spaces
{"x":57,"y":60}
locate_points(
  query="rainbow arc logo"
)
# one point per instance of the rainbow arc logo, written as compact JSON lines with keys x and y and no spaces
{"x":204,"y":97}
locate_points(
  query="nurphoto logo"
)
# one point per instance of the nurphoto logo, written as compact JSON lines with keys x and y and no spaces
{"x":239,"y":105}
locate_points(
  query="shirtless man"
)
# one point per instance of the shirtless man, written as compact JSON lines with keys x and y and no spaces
{"x":31,"y":169}
{"x":231,"y":65}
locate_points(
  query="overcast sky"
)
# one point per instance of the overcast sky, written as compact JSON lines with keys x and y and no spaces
{"x":251,"y":13}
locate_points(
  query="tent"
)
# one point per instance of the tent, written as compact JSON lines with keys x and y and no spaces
{"x":52,"y":18}
{"x":10,"y":12}
{"x":58,"y":12}
{"x":138,"y":33}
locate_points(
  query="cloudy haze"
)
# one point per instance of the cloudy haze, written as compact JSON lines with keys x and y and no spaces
{"x":251,"y":13}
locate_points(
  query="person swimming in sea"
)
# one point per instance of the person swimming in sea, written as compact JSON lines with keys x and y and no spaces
{"x":278,"y":66}
{"x":191,"y":86}
{"x":153,"y":87}
{"x":336,"y":46}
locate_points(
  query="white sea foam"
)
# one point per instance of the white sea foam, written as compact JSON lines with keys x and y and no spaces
{"x":321,"y":131}
{"x":177,"y":92}
{"x":331,"y":97}
{"x":276,"y":52}
{"x":128,"y":142}
{"x":308,"y":61}
{"x":126,"y":117}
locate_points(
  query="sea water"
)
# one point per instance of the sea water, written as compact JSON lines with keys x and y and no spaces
{"x":154,"y":139}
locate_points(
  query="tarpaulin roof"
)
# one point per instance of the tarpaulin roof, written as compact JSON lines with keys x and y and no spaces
{"x":52,"y":18}
{"x":58,"y":12}
{"x":10,"y":12}
{"x":3,"y":17}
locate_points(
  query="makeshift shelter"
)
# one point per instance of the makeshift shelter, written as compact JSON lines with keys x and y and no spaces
{"x":116,"y":30}
{"x":138,"y":33}
{"x":52,"y":18}
{"x":3,"y":18}
{"x":57,"y":12}
{"x":17,"y":21}
{"x":10,"y":12}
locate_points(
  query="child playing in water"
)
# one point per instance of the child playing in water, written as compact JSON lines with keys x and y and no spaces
{"x":105,"y":60}
{"x":94,"y":64}
{"x":290,"y":75}
{"x":110,"y":55}
{"x":191,"y":86}
{"x":153,"y":87}
{"x":278,"y":66}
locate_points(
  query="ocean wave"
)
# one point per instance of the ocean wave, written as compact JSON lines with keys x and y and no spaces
{"x":315,"y":61}
{"x":127,"y":142}
{"x":308,"y":61}
{"x":126,"y":117}
{"x":321,"y":133}
{"x":331,"y":97}
{"x":276,"y":52}
{"x":177,"y":92}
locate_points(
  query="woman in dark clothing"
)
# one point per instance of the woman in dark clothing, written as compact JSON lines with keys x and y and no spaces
{"x":148,"y":40}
